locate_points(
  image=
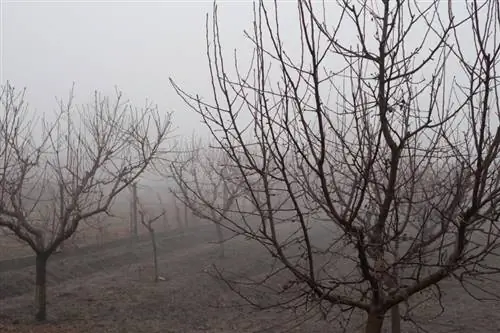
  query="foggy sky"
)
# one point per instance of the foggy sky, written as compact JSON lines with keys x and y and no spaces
{"x":134,"y":45}
{"x":137,"y":46}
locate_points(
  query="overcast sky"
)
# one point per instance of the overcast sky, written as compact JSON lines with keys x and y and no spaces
{"x":137,"y":46}
{"x":134,"y":45}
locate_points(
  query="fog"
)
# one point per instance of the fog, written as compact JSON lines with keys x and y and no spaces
{"x":138,"y":47}
{"x":135,"y":46}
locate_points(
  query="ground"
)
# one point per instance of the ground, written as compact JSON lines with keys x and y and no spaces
{"x":112,"y":291}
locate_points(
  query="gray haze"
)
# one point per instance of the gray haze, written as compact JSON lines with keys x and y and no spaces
{"x":134,"y":45}
{"x":137,"y":46}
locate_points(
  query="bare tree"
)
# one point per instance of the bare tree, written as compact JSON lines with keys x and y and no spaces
{"x":59,"y":172}
{"x":147,"y":222}
{"x":207,"y":186}
{"x":389,"y":159}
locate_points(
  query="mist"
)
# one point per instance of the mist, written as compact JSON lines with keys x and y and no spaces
{"x":249,"y":166}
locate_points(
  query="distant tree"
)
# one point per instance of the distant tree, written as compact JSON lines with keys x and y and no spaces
{"x":56,"y":172}
{"x":207,"y":186}
{"x":147,"y":221}
{"x":382,"y":126}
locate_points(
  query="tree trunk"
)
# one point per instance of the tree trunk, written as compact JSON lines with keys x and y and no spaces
{"x":395,"y":319}
{"x":395,"y":315}
{"x":155,"y":256}
{"x":41,"y":286}
{"x":374,"y":323}
{"x":220,"y":238}
{"x":134,"y":218}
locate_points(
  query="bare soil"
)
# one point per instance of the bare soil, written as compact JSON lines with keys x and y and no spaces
{"x":113,"y":291}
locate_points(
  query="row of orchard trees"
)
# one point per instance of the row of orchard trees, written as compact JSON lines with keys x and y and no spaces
{"x":60,"y":169}
{"x":377,"y":119}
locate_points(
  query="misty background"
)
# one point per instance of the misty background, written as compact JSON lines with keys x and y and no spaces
{"x":47,"y":46}
{"x":134,"y":46}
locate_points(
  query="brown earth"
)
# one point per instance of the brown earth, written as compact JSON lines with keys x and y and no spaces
{"x":112,"y":291}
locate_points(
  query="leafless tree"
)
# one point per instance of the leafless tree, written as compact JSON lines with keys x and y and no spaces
{"x":57,"y":172}
{"x":380,"y":123}
{"x":207,"y":186}
{"x":147,"y":221}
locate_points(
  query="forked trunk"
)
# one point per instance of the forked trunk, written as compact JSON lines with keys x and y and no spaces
{"x":41,"y":286}
{"x":374,"y":323}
